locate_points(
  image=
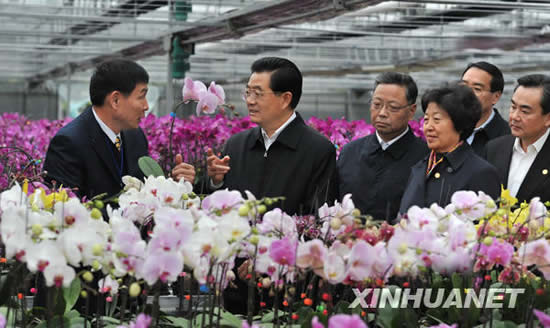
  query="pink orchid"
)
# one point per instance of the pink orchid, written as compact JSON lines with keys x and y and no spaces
{"x":208,"y":102}
{"x":192,"y":90}
{"x":499,"y":252}
{"x":346,"y":321}
{"x":218,"y":91}
{"x":544,"y":318}
{"x":163,"y":266}
{"x":283,"y":251}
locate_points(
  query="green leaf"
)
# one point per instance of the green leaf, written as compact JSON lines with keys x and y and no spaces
{"x":386,"y":316}
{"x":11,"y":320}
{"x":150,"y":167}
{"x":57,"y":321}
{"x":71,"y":294}
{"x":230,"y":319}
{"x":178,"y":322}
{"x":503,"y":324}
{"x":457,"y":280}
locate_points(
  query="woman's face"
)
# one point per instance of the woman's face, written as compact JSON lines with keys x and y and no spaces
{"x":439,"y":130}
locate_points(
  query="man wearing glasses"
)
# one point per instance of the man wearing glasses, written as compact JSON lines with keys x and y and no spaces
{"x":375,"y":168}
{"x":282,"y":156}
{"x":486,"y":81}
{"x":523,"y":158}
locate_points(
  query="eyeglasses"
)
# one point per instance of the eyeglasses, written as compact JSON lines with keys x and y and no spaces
{"x":378,"y":105}
{"x":256,"y":94}
{"x":476,"y":89}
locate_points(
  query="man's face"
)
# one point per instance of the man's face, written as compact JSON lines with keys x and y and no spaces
{"x":527,"y":120}
{"x":264,"y":106}
{"x":390,"y":111}
{"x":131,"y":109}
{"x":480,"y":83}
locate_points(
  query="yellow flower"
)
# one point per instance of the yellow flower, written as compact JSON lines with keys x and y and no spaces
{"x":505,"y":195}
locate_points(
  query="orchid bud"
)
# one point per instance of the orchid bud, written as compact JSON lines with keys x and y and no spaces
{"x":88,"y":276}
{"x":83,"y":294}
{"x":184,"y":197}
{"x":262,"y":209}
{"x":335,"y":223}
{"x":254,"y":240}
{"x":488,"y":240}
{"x":266,"y":282}
{"x":99,"y":204}
{"x":97,"y":250}
{"x":96,"y":214}
{"x":243,"y":210}
{"x":96,"y":265}
{"x":356,"y":212}
{"x":36,"y":229}
{"x":135,"y":290}
{"x":268,"y":201}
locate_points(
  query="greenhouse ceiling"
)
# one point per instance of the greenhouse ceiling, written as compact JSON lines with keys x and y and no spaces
{"x":337,"y":43}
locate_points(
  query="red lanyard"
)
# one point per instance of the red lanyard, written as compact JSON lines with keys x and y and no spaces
{"x":433,"y":161}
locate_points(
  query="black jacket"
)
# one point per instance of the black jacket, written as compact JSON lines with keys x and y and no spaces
{"x":537,"y":180}
{"x":82,"y":156}
{"x":377,"y":178}
{"x":461,"y":169}
{"x":494,"y":129}
{"x":299,"y":165}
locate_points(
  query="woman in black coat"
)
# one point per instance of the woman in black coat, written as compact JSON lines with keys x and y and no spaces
{"x":450,"y":116}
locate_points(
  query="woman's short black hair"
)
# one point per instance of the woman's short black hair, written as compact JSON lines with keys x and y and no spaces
{"x":460,"y":102}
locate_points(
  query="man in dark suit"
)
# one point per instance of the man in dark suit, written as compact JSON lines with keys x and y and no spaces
{"x":94,"y":151}
{"x":375,"y":168}
{"x":282,"y":156}
{"x":487,"y":82}
{"x":523,"y":158}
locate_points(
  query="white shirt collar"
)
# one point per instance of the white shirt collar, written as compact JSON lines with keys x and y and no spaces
{"x":536,"y":146}
{"x":268,"y":141}
{"x":470,"y":139}
{"x":384,"y":144}
{"x":107,"y":130}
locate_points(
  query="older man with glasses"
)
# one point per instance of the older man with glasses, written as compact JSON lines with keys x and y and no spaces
{"x":375,"y":168}
{"x":487,"y":82}
{"x":282,"y":156}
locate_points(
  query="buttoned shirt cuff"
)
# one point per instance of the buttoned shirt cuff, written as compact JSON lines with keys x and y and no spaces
{"x":215,"y":186}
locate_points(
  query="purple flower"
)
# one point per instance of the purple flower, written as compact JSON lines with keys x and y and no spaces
{"x":543,"y":318}
{"x":315,"y":323}
{"x":346,"y":321}
{"x":443,"y":325}
{"x":2,"y":321}
{"x":283,"y":251}
{"x":499,"y":252}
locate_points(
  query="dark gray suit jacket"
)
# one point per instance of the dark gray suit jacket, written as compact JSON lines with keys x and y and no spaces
{"x":81,"y":156}
{"x":537,"y":180}
{"x":461,"y":169}
{"x":377,"y":178}
{"x":300,"y":165}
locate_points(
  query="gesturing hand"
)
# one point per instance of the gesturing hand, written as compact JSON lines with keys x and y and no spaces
{"x":183,"y":170}
{"x":216,"y":167}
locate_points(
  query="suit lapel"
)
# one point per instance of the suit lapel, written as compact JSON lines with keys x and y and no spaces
{"x":98,"y":141}
{"x":537,"y":175}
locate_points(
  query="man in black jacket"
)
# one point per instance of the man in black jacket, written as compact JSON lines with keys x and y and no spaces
{"x":523,"y":158}
{"x":487,"y":82}
{"x":94,"y":151}
{"x":375,"y":168}
{"x":282,"y":156}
